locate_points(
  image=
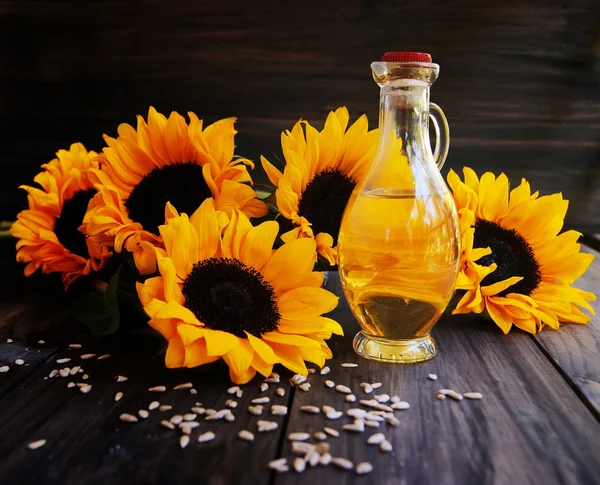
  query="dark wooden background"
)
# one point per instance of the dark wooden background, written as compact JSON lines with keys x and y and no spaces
{"x":520,"y":81}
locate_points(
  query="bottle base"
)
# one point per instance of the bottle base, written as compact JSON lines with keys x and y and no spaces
{"x":408,"y":351}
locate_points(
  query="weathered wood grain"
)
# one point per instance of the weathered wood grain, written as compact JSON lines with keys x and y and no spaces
{"x":575,"y":349}
{"x":519,"y":82}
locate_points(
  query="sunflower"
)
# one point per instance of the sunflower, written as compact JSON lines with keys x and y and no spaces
{"x":49,"y":232}
{"x":321,"y":171}
{"x":515,"y":265}
{"x":224,"y":294}
{"x":165,"y":160}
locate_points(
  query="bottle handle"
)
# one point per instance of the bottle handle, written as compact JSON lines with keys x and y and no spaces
{"x":442,"y":136}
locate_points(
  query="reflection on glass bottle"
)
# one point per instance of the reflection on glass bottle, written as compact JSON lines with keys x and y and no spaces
{"x":398,"y":243}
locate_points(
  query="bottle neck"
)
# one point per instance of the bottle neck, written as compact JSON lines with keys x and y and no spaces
{"x":404,"y":115}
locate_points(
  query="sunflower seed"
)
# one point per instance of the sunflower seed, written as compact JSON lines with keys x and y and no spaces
{"x":382,"y":398}
{"x":198,"y":410}
{"x":264,"y":426}
{"x":310,"y":409}
{"x":325,"y":459}
{"x":118,"y":396}
{"x":233,"y":390}
{"x":165,"y":407}
{"x":34,"y":445}
{"x":374,"y":417}
{"x":280,"y":391}
{"x":342,"y":463}
{"x":298,"y":436}
{"x":52,"y":374}
{"x":343,"y":389}
{"x":85,"y":388}
{"x":157,"y":389}
{"x":299,"y":465}
{"x":304,"y":387}
{"x":231,"y":403}
{"x":313,"y":458}
{"x":376,"y":385}
{"x":282,"y":469}
{"x":260,"y":400}
{"x":331,"y":432}
{"x":218,"y":415}
{"x":187,"y":426}
{"x":402,"y":405}
{"x":74,"y":346}
{"x":246,"y":435}
{"x":320,"y":436}
{"x":70,"y":385}
{"x":183,"y":387}
{"x":9,"y":341}
{"x":473,"y":395}
{"x":104,"y":357}
{"x":63,"y":372}
{"x":455,"y":395}
{"x":441,"y":396}
{"x":230,"y":418}
{"x":372,"y":403}
{"x":312,"y":370}
{"x":128,"y":418}
{"x":393,"y":421}
{"x":167,"y":424}
{"x":210,"y":412}
{"x":205,"y":437}
{"x":325,"y":370}
{"x":239,"y":393}
{"x":142,"y":413}
{"x":366,"y":387}
{"x":178,"y":418}
{"x":153,"y":405}
{"x":85,"y":377}
{"x":184,"y":440}
{"x":19,"y":362}
{"x":371,"y":424}
{"x":358,"y":426}
{"x":376,"y":439}
{"x":350,"y":398}
{"x":63,"y":361}
{"x":87,"y":356}
{"x":432,"y":377}
{"x":74,"y":370}
{"x":274,"y":464}
{"x":297,"y":379}
{"x":348,"y":365}
{"x":364,"y":468}
{"x":189,"y":417}
{"x":279,"y":410}
{"x":334,"y":414}
{"x":328,"y":409}
{"x":301,"y":447}
{"x":356,"y":413}
{"x":264,"y":387}
{"x":121,"y":378}
{"x":446,"y":391}
{"x":385,"y":446}
{"x":330,"y":384}
{"x":256,"y":410}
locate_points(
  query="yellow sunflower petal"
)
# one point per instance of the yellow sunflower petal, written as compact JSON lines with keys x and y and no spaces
{"x":496,"y":288}
{"x":239,"y":359}
{"x":218,"y":342}
{"x":175,"y":356}
{"x":306,"y":302}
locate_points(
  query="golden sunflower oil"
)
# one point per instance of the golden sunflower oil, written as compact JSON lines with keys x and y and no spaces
{"x":399,"y":240}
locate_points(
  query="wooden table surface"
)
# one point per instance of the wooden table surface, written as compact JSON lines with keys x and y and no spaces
{"x":537,"y":422}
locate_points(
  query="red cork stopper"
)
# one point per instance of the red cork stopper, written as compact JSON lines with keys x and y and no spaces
{"x":406,"y":57}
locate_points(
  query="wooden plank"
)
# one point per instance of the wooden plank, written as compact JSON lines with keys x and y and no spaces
{"x":530,"y":428}
{"x":87,"y":443}
{"x":575,"y":349}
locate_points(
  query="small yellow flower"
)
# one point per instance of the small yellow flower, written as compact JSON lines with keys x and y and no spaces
{"x":515,"y":265}
{"x":223,"y":293}
{"x":165,"y":160}
{"x":50,"y":234}
{"x":321,"y":171}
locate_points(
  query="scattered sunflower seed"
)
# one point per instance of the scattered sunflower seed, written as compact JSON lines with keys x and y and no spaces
{"x":320,"y":436}
{"x":165,"y":407}
{"x":385,"y":446}
{"x":142,"y":413}
{"x":313,"y":458}
{"x":218,"y":415}
{"x":260,"y":400}
{"x":395,"y":399}
{"x":358,"y":426}
{"x":305,"y":386}
{"x":446,"y":391}
{"x":298,"y":436}
{"x":74,"y":370}
{"x":372,"y":403}
{"x":74,"y":346}
{"x":52,"y":374}
{"x":85,"y":388}
{"x":64,"y":372}
{"x":176,"y":419}
{"x":85,"y":377}
{"x":265,"y":426}
{"x":374,"y":417}
{"x":342,"y":463}
{"x":167,"y":424}
{"x":322,"y":448}
{"x":104,"y":357}
{"x":184,"y":386}
{"x":330,"y":384}
{"x":41,"y":342}
{"x":193,"y":391}
{"x":350,"y":398}
{"x":376,"y":439}
{"x":312,"y":370}
{"x":393,"y":421}
{"x":334,"y":414}
{"x":198,"y":410}
{"x":441,"y":396}
{"x":264,"y":387}
{"x":328,"y":409}
{"x":205,"y":437}
{"x":274,"y":464}
{"x":70,"y":385}
{"x":233,"y":390}
{"x":343,"y":389}
{"x":231,"y":403}
{"x":153,"y":405}
{"x":256,"y":410}
{"x":239,"y":393}
{"x":272,"y":380}
{"x":128,"y":418}
{"x":432,"y":377}
{"x":331,"y":432}
{"x":310,"y":409}
{"x":121,"y":378}
{"x":371,"y":423}
{"x":382,"y":398}
{"x":348,"y":365}
{"x":376,"y":385}
{"x":364,"y":468}
{"x":184,"y":440}
{"x":282,"y":469}
{"x":118,"y":396}
{"x":157,"y":389}
{"x":63,"y":361}
{"x":356,"y":413}
{"x":19,"y":361}
{"x":230,"y":418}
{"x":297,"y":379}
{"x":87,"y":356}
{"x":9,"y":341}
{"x":34,"y":445}
{"x":187,"y":426}
{"x":210,"y":412}
{"x":299,"y":465}
{"x":280,"y":391}
{"x":189,"y":417}
{"x":278,"y":410}
{"x":473,"y":395}
{"x":301,"y":447}
{"x":4,"y":369}
{"x":325,"y":370}
{"x":455,"y":395}
{"x":366,"y":387}
{"x":325,"y":459}
{"x":402,"y":405}
{"x":246,"y":435}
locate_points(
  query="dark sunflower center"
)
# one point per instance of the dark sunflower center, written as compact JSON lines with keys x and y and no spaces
{"x":71,"y":217}
{"x":227,"y":295}
{"x":181,"y":184}
{"x":324,"y":200}
{"x":513,"y":255}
